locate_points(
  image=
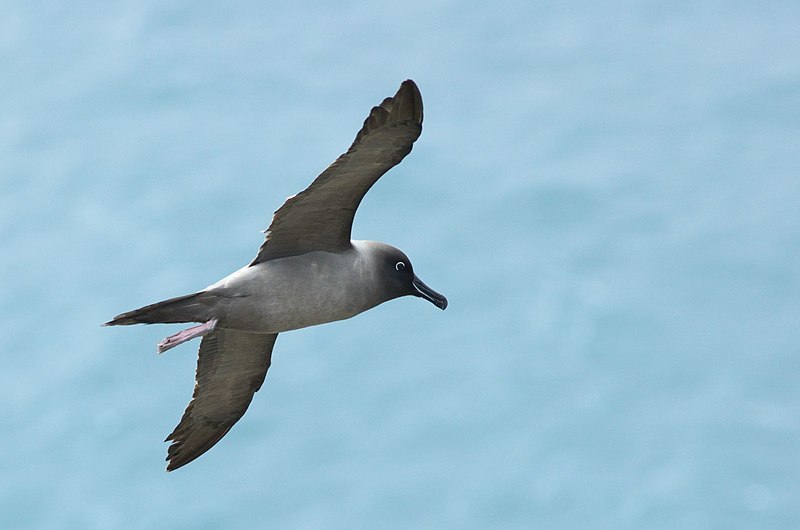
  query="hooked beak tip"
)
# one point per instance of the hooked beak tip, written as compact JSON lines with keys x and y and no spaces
{"x":423,"y":291}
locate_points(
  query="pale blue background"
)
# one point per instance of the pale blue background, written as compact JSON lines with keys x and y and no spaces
{"x":607,"y":192}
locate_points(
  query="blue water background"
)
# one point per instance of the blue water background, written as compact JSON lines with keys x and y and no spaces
{"x":607,"y":192}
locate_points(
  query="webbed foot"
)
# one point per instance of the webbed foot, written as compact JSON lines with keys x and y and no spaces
{"x":187,"y":335}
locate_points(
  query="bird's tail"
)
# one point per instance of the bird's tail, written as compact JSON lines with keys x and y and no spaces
{"x":188,"y":308}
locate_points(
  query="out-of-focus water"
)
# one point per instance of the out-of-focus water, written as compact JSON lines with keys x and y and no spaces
{"x":606,"y":192}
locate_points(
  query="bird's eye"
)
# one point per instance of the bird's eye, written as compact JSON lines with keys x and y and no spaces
{"x":400,"y":266}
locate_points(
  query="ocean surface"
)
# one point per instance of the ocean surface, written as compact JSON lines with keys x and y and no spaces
{"x":607,"y":192}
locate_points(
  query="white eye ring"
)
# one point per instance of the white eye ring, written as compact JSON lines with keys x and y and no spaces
{"x":399,"y":266}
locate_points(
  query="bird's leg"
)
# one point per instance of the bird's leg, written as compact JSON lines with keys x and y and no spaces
{"x":187,"y":334}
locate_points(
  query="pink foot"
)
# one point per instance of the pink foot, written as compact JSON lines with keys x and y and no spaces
{"x":187,"y":334}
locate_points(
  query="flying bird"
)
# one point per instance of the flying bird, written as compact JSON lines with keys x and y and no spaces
{"x":307,"y":272}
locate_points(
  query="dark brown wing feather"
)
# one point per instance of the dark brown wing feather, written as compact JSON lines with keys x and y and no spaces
{"x":231,"y":367}
{"x":321,"y":216}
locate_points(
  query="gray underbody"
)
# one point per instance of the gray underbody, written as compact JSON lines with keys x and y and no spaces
{"x":296,"y":292}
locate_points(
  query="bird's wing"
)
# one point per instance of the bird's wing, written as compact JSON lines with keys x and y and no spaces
{"x":321,"y":216}
{"x":231,"y":368}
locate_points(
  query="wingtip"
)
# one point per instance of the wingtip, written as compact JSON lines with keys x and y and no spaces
{"x":408,"y":100}
{"x":175,"y":461}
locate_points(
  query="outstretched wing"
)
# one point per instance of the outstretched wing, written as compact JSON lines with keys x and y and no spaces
{"x":321,"y":216}
{"x":231,"y":368}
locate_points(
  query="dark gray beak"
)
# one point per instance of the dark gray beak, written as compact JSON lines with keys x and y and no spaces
{"x":423,"y":291}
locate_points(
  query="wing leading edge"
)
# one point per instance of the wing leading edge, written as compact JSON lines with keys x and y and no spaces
{"x":321,"y":216}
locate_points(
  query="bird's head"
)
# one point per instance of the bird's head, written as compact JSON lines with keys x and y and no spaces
{"x":397,"y":276}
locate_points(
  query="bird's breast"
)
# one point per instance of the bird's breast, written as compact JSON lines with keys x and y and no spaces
{"x":296,"y":292}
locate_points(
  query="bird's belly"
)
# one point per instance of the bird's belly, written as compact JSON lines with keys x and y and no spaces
{"x":264,"y":315}
{"x":284,"y":296}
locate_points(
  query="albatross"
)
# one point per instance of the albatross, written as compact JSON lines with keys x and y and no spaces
{"x":307,"y":272}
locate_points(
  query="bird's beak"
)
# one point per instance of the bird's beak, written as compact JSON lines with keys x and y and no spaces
{"x":423,"y":291}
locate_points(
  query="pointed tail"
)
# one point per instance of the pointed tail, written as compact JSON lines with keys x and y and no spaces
{"x":188,"y":308}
